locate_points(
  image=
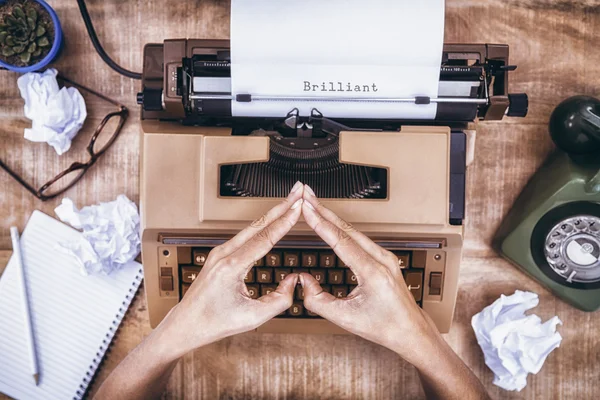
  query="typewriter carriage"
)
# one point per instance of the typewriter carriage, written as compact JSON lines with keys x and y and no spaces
{"x":168,"y":90}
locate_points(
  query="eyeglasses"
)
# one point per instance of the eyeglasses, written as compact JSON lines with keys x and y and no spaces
{"x":102,"y":138}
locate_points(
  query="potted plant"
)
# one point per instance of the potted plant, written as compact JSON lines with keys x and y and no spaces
{"x":30,"y":35}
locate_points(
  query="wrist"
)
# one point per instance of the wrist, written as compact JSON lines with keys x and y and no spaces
{"x":164,"y":345}
{"x":418,"y":341}
{"x":428,"y":352}
{"x":181,"y":334}
{"x":170,"y":338}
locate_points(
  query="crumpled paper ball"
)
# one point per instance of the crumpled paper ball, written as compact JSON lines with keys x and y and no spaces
{"x":515,"y":344}
{"x":56,"y":115}
{"x":111,"y":234}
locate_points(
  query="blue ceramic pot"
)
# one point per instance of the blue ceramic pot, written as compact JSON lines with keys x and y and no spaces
{"x":58,"y":38}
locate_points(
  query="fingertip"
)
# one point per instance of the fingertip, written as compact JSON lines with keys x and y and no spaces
{"x":309,"y":196}
{"x":309,"y":284}
{"x":289,"y":282}
{"x":310,"y":205}
{"x":297,"y":186}
{"x":297,"y":191}
{"x":315,"y":298}
{"x":298,"y":203}
{"x":307,"y":207}
{"x":310,"y":199}
{"x":295,"y":211}
{"x":293,"y":198}
{"x":309,"y":191}
{"x":292,"y":277}
{"x":310,"y":214}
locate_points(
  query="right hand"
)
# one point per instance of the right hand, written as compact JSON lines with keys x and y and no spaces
{"x":380,"y":308}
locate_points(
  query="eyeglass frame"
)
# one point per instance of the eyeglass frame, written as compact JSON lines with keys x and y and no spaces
{"x":123,"y":113}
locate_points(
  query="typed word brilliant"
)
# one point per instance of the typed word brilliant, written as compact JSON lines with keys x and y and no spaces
{"x":339,"y":87}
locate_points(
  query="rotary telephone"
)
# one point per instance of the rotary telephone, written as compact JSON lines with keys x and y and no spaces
{"x":552,"y":231}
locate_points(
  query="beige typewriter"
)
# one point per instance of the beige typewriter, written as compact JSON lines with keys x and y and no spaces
{"x":206,"y":175}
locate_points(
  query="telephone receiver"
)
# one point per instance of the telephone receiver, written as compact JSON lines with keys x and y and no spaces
{"x":552,"y":231}
{"x":575,"y":129}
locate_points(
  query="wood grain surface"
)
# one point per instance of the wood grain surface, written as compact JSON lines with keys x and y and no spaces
{"x":554,"y":44}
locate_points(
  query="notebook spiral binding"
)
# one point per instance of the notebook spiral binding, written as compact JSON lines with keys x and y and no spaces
{"x":89,"y":377}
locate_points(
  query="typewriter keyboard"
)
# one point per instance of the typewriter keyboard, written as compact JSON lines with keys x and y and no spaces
{"x":323,"y":265}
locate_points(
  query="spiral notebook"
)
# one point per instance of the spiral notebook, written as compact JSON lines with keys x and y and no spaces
{"x":74,"y":316}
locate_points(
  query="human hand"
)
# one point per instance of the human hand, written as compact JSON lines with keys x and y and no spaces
{"x":380,"y":308}
{"x":218,"y":304}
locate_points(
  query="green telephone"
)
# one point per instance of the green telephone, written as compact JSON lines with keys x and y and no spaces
{"x":553,"y":230}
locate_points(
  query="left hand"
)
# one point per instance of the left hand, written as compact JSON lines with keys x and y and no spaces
{"x":380,"y":307}
{"x":218,"y":304}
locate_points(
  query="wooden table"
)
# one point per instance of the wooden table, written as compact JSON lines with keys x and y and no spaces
{"x":555,"y":46}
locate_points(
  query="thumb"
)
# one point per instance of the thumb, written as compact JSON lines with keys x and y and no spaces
{"x":317,"y":300}
{"x":278,"y":301}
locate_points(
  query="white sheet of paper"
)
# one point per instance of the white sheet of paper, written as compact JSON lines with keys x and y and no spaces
{"x":382,"y":48}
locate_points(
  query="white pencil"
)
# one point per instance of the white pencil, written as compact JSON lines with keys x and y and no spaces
{"x":14,"y":235}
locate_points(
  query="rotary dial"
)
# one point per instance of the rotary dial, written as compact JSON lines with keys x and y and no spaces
{"x":572,"y":249}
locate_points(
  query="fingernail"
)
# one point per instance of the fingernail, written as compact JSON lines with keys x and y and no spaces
{"x":296,"y":187}
{"x":301,"y":280}
{"x":297,"y":204}
{"x":309,"y":190}
{"x":310,"y":205}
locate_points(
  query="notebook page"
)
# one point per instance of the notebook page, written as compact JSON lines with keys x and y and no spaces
{"x":74,"y":317}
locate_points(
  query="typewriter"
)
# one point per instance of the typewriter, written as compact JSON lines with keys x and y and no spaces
{"x":205,"y":175}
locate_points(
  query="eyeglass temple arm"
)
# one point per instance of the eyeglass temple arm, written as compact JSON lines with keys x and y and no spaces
{"x":103,"y":97}
{"x":20,"y":180}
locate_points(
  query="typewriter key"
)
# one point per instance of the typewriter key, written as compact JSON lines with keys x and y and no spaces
{"x":318,"y":274}
{"x":200,"y":256}
{"x":264,"y":275}
{"x":273,"y":259}
{"x":335,"y":276}
{"x":266,"y":289}
{"x":296,"y":310}
{"x":309,"y":259}
{"x":253,"y":291}
{"x":291,"y":259}
{"x":281,"y":273}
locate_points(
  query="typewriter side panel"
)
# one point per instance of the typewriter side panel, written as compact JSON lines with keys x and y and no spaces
{"x":440,"y":285}
{"x":161,"y":163}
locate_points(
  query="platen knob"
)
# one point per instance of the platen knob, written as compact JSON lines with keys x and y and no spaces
{"x":518,"y":105}
{"x":150,"y":99}
{"x":575,"y":127}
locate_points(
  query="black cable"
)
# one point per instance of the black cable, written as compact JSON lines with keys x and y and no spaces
{"x":94,"y":38}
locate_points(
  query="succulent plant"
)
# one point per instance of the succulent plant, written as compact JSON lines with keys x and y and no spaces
{"x":23,"y":34}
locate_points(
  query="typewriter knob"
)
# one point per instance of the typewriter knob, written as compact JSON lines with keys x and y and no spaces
{"x":150,"y":99}
{"x":575,"y":127}
{"x":518,"y":105}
